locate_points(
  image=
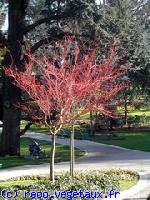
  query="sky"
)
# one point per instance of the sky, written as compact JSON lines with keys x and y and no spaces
{"x":98,"y":1}
{"x":5,"y":26}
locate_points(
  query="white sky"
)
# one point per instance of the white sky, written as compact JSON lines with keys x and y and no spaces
{"x":5,"y":26}
{"x":98,"y":1}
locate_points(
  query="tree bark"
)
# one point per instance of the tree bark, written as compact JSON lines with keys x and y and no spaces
{"x":92,"y":131}
{"x":10,"y":139}
{"x":72,"y":154}
{"x":25,"y":129}
{"x":125,"y":110}
{"x":64,"y":15}
{"x":52,"y":158}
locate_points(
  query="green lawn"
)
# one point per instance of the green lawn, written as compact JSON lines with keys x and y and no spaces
{"x":43,"y":129}
{"x":140,"y":113}
{"x":35,"y":127}
{"x":62,"y":154}
{"x":130,"y":139}
{"x":124,"y":184}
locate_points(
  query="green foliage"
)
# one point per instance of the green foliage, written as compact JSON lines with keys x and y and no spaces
{"x":128,"y":21}
{"x":2,"y":53}
{"x":96,"y":180}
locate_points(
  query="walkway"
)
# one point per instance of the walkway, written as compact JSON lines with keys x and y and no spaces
{"x":97,"y":156}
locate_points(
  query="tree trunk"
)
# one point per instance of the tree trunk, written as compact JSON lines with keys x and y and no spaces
{"x":52,"y":158}
{"x":72,"y":154}
{"x":10,"y":140}
{"x":125,"y":111}
{"x":92,"y":131}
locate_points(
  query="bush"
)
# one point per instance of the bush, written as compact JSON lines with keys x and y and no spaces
{"x":78,"y":132}
{"x":96,"y":180}
{"x":136,"y":121}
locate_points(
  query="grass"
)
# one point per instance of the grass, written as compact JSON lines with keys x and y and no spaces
{"x":37,"y":128}
{"x":121,"y":179}
{"x":131,"y":112}
{"x":140,"y":113}
{"x":130,"y":139}
{"x":43,"y":129}
{"x":124,"y":184}
{"x":62,"y":154}
{"x":14,"y":183}
{"x":84,"y":180}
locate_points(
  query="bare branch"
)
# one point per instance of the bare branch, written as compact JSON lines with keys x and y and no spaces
{"x":22,"y":132}
{"x":60,"y":36}
{"x":79,"y":83}
{"x":48,"y":40}
{"x":46,"y":19}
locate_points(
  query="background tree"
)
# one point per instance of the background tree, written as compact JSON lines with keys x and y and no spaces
{"x":129,"y":22}
{"x":20,"y":25}
{"x":11,"y":94}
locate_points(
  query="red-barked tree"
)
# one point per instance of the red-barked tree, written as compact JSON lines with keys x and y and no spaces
{"x":67,"y":84}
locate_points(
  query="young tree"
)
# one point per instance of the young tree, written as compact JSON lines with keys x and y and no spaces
{"x":67,"y":80}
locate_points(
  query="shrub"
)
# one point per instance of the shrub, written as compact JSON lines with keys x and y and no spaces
{"x":96,"y":180}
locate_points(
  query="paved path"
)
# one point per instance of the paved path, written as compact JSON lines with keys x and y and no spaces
{"x":97,"y":156}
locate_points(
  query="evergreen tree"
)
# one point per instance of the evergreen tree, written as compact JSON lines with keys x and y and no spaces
{"x":129,"y":20}
{"x":22,"y":27}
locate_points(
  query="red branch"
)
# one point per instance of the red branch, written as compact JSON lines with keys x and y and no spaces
{"x":76,"y":86}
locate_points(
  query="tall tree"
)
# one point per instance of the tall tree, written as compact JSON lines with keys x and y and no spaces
{"x":12,"y":94}
{"x":129,"y":22}
{"x":21,"y":26}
